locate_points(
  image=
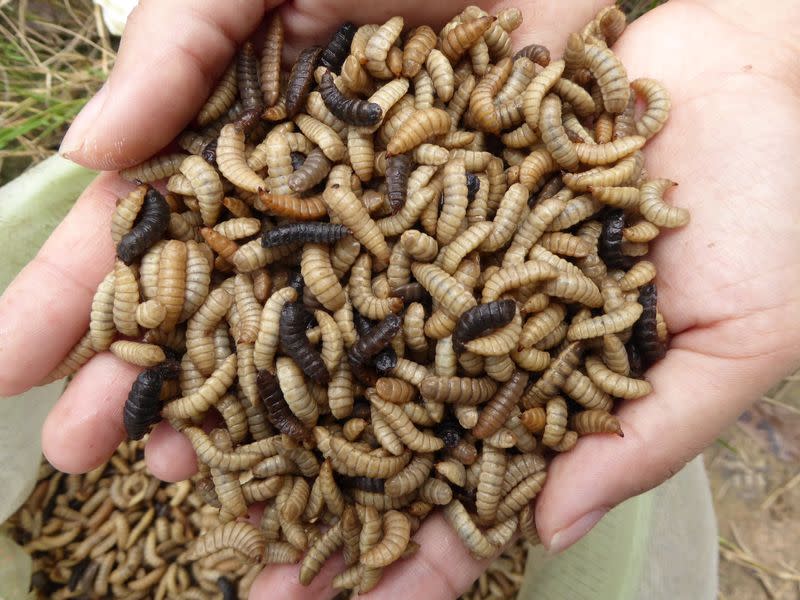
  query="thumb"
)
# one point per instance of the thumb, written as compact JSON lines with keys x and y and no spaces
{"x":171,"y":55}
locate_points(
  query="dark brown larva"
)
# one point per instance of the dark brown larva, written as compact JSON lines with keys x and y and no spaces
{"x":398,"y":168}
{"x":373,"y":343}
{"x":314,"y":233}
{"x":300,"y":80}
{"x":645,"y":331}
{"x":247,"y":79}
{"x":338,"y":48}
{"x":143,"y":406}
{"x":278,"y":411}
{"x":209,"y":153}
{"x":350,"y":110}
{"x":610,"y":246}
{"x":152,"y":224}
{"x":411,"y":292}
{"x":292,"y":335}
{"x":481,"y":319}
{"x":538,"y":54}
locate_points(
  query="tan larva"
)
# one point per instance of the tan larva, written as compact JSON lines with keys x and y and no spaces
{"x":441,"y":72}
{"x":392,"y":123}
{"x":657,"y":106}
{"x":467,"y":530}
{"x":411,"y":477}
{"x":361,"y":295}
{"x":534,"y":168}
{"x":581,"y":389}
{"x":101,"y":319}
{"x":555,"y":422}
{"x":126,"y":298}
{"x":493,"y":467}
{"x":248,"y":307}
{"x":350,"y":460}
{"x":511,"y":210}
{"x":387,"y":97}
{"x":221,"y":98}
{"x":452,"y":296}
{"x":532,"y":228}
{"x":498,"y":343}
{"x":319,"y":552}
{"x":515,"y":276}
{"x":415,"y":51}
{"x":420,"y":127}
{"x":216,"y":457}
{"x":610,"y":75}
{"x":460,"y":38}
{"x":136,"y":353}
{"x":353,"y":429}
{"x":295,"y":391}
{"x":656,"y":210}
{"x":554,"y":136}
{"x":319,"y":276}
{"x":455,"y":204}
{"x":207,"y":395}
{"x":150,"y":314}
{"x":431,"y":154}
{"x":384,"y":434}
{"x":207,"y":187}
{"x":640,"y":232}
{"x":323,"y":136}
{"x":610,"y":152}
{"x":521,"y":495}
{"x":613,"y":322}
{"x":537,"y":89}
{"x":614,"y":383}
{"x":459,"y":100}
{"x":595,"y":421}
{"x":351,"y":212}
{"x":521,"y":75}
{"x":159,"y":167}
{"x":618,"y":197}
{"x":231,"y":160}
{"x":413,"y":323}
{"x":553,"y":378}
{"x":412,"y":437}
{"x":454,"y":252}
{"x":78,"y":356}
{"x":625,"y":171}
{"x":481,"y":104}
{"x":360,"y":40}
{"x":361,"y":152}
{"x":378,"y":46}
{"x":126,"y":211}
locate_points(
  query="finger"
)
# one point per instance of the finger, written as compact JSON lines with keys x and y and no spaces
{"x":282,"y":581}
{"x":169,"y":455}
{"x":45,"y":310}
{"x":171,"y":55}
{"x":441,"y":569}
{"x":697,"y":395}
{"x":85,"y":426}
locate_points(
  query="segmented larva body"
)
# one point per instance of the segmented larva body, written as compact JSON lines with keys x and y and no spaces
{"x":611,"y":76}
{"x":351,"y":212}
{"x":101,"y":320}
{"x":221,"y":98}
{"x":271,"y":60}
{"x":351,"y":460}
{"x":655,"y":210}
{"x":481,"y":104}
{"x":554,"y":136}
{"x":206,"y":185}
{"x":416,"y":49}
{"x":136,"y":353}
{"x":143,"y":404}
{"x":126,"y":212}
{"x":657,"y":108}
{"x":212,"y":390}
{"x":377,"y":48}
{"x":513,"y":205}
{"x":537,"y":89}
{"x":461,"y":37}
{"x":153,"y":221}
{"x":535,"y":167}
{"x":338,"y":48}
{"x":350,"y":110}
{"x":301,"y":79}
{"x":231,"y":160}
{"x":245,"y":538}
{"x":153,"y":169}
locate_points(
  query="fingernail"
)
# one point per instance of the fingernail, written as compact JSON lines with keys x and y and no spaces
{"x":76,"y":135}
{"x":564,"y":538}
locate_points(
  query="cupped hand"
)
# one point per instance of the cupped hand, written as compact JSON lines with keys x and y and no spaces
{"x":729,"y":282}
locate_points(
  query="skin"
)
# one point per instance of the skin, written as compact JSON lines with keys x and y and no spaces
{"x":729,"y":285}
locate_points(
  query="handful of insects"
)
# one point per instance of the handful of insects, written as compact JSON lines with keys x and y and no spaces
{"x":402,"y":281}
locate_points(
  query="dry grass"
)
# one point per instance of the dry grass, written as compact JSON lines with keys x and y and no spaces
{"x":54,"y":54}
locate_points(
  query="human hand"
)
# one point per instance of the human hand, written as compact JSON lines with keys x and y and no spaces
{"x":724,"y":351}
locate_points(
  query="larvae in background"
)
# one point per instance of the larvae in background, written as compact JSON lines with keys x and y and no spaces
{"x":301,"y":79}
{"x":610,"y":75}
{"x":153,"y":220}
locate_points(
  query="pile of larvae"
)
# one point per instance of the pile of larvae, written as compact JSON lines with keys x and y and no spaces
{"x":399,"y":279}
